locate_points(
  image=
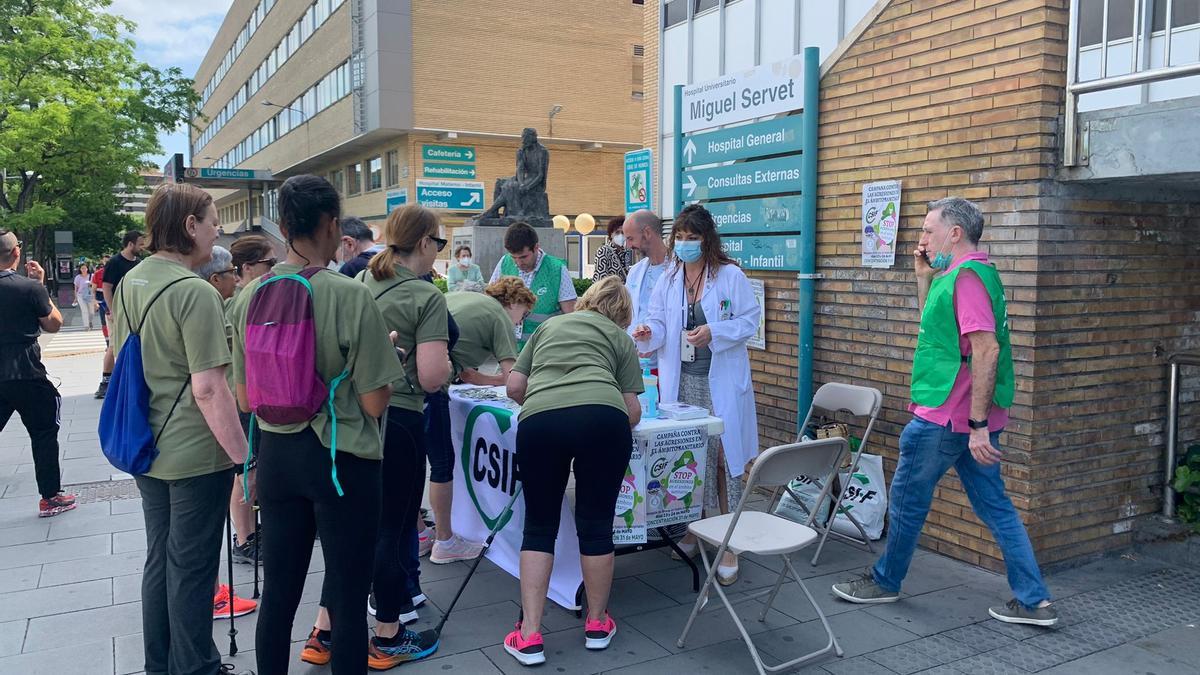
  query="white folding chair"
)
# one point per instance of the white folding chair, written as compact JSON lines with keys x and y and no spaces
{"x":860,"y":402}
{"x":767,"y":534}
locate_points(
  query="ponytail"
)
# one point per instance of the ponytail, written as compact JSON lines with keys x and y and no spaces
{"x":403,"y":232}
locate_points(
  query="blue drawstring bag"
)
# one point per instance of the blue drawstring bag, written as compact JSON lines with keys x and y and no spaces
{"x":125,"y":435}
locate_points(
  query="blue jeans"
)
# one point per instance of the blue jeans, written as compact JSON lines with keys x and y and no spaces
{"x":927,"y":451}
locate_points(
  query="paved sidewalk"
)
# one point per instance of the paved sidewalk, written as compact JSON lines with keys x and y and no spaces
{"x":69,"y":598}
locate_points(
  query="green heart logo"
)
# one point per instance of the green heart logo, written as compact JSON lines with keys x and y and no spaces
{"x":503,"y":419}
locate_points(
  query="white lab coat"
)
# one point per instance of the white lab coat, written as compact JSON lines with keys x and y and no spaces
{"x":732,"y":314}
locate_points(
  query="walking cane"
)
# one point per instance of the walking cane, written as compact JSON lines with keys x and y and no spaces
{"x":233,"y":648}
{"x":257,"y":546}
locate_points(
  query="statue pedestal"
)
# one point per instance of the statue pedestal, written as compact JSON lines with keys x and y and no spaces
{"x":505,"y":221}
{"x":487,"y":243}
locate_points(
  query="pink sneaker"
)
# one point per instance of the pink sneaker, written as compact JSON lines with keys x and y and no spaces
{"x":599,"y":633}
{"x":425,"y":541}
{"x":530,"y":652}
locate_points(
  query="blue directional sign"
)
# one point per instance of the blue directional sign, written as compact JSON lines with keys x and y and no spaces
{"x":639,"y":171}
{"x":764,"y":252}
{"x":763,"y":177}
{"x":772,"y":215}
{"x":452,"y":195}
{"x":773,"y":137}
{"x":396,"y":199}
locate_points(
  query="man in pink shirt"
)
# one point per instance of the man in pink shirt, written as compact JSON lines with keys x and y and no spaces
{"x":962,"y":387}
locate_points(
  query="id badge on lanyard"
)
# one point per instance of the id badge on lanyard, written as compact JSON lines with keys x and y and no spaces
{"x":687,"y":351}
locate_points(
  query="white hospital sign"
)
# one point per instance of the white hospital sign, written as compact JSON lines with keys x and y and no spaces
{"x":766,"y":90}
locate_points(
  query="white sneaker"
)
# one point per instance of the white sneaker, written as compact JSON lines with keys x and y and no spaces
{"x":453,"y":549}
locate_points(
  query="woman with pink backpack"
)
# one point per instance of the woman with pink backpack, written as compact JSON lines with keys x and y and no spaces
{"x":313,"y":362}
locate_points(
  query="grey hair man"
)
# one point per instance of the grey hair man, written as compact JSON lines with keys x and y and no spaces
{"x":643,"y":233}
{"x":962,"y":387}
{"x":358,"y":246}
{"x":24,"y":388}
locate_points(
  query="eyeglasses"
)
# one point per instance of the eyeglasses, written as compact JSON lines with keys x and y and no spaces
{"x":228,"y":271}
{"x":441,"y":243}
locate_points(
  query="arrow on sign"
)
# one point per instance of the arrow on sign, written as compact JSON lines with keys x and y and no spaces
{"x":472,"y":201}
{"x":470,"y":155}
{"x":690,"y":185}
{"x":689,"y":151}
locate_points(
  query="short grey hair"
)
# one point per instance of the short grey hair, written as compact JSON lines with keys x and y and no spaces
{"x":356,"y":229}
{"x":222,"y":260}
{"x":963,"y":213}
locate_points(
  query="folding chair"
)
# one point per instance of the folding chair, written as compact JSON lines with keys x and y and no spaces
{"x":860,"y":402}
{"x":767,"y":534}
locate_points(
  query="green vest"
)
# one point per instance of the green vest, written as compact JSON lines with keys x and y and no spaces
{"x":938,"y":357}
{"x":545,"y":289}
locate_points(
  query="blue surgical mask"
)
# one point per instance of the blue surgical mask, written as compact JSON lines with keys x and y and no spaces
{"x":688,"y":251}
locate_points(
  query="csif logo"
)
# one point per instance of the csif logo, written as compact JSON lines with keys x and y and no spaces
{"x":489,"y":468}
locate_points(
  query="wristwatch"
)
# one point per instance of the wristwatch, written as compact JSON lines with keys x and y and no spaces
{"x":977,"y":424}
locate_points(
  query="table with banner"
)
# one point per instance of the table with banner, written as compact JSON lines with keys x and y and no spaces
{"x":663,"y":485}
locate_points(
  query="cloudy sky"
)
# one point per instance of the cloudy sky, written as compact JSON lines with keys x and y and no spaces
{"x":173,"y":33}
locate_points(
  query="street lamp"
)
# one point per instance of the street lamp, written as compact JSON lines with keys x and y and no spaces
{"x":553,"y":111}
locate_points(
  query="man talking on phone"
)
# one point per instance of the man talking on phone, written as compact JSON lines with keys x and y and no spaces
{"x":962,"y":387}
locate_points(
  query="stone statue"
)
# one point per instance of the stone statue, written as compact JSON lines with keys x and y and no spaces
{"x":523,"y":196}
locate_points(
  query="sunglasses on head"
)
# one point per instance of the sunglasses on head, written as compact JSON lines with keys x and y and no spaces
{"x":267,"y":261}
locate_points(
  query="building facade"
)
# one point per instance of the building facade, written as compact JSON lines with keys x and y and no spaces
{"x":370,"y":93}
{"x":1069,"y":128}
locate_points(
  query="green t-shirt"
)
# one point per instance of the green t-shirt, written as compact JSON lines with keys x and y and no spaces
{"x":581,"y":358}
{"x":183,"y":333}
{"x":350,"y":336}
{"x":484,"y":330}
{"x":416,"y":310}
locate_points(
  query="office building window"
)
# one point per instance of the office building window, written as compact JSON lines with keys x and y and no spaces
{"x":374,"y":173}
{"x":353,"y":179}
{"x":703,"y":5}
{"x":393,"y":168}
{"x":338,"y":179}
{"x":674,"y":12}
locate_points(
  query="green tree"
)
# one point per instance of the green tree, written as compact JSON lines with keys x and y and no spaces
{"x":78,"y":115}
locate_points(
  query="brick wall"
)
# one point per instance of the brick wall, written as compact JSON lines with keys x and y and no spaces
{"x":964,"y":98}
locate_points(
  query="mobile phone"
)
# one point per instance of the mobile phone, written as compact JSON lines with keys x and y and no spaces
{"x":687,"y":351}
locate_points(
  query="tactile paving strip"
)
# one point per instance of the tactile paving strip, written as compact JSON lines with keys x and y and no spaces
{"x":103,"y":491}
{"x":979,"y":637}
{"x":1028,"y":657}
{"x":986,"y":664}
{"x":904,"y":659}
{"x":1065,"y":645}
{"x":943,"y":649}
{"x":859,"y":665}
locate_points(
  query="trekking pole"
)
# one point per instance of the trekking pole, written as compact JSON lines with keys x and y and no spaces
{"x":257,"y":546}
{"x":233,"y":648}
{"x":500,"y":523}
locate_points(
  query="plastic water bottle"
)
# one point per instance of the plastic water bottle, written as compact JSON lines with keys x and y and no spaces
{"x":649,"y":398}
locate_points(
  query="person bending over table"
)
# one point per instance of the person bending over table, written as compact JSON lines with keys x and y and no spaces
{"x":577,"y":381}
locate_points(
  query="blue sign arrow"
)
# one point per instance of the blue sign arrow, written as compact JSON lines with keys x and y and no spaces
{"x":763,"y":177}
{"x":773,"y":137}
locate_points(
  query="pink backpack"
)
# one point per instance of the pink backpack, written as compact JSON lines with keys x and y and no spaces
{"x":282,"y":382}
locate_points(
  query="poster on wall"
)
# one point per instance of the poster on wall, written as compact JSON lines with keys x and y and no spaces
{"x":674,"y":461}
{"x":880,"y":221}
{"x":759,"y":339}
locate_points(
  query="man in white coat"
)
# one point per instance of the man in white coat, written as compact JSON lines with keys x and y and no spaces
{"x":643,"y":233}
{"x":705,"y":301}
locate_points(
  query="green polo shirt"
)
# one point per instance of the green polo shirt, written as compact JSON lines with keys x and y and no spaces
{"x":581,"y":358}
{"x":416,"y":310}
{"x":183,"y":333}
{"x":350,"y":336}
{"x":484,"y":330}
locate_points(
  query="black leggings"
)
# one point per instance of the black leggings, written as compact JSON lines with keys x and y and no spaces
{"x":298,"y":498}
{"x":598,"y":438}
{"x":404,"y":483}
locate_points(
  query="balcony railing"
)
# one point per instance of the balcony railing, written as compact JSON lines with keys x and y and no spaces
{"x":1119,"y":48}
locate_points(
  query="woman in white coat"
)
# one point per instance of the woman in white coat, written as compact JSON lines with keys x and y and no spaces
{"x":702,"y":312}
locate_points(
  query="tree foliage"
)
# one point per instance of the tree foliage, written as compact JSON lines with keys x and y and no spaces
{"x":78,"y":115}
